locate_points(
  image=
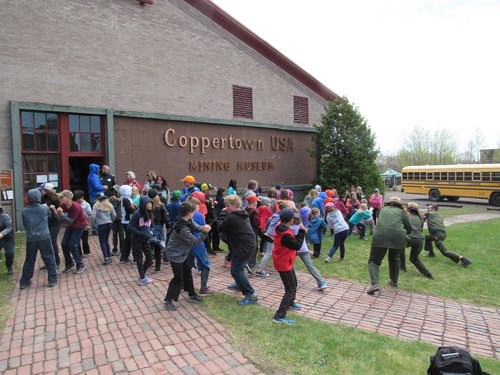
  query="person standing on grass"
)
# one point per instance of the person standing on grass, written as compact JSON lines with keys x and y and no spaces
{"x":316,"y":228}
{"x":336,"y":223}
{"x":76,"y":221}
{"x":376,"y":203}
{"x":415,"y":241}
{"x":179,"y":245}
{"x":7,"y":240}
{"x":103,"y":215}
{"x":392,"y":229}
{"x":36,"y":222}
{"x":242,"y":244}
{"x":437,"y":234}
{"x":286,"y":245}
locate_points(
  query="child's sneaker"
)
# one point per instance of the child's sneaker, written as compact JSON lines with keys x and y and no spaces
{"x":262,"y":274}
{"x":295,"y":306}
{"x":327,"y":259}
{"x":322,"y":286}
{"x":195,"y":299}
{"x":144,"y":281}
{"x":284,"y":320}
{"x":248,"y":300}
{"x":206,"y":292}
{"x":169,"y":305}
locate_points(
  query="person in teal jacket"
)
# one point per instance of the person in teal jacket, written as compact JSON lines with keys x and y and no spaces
{"x":393,"y":226}
{"x":358,"y":220}
{"x":317,"y":227}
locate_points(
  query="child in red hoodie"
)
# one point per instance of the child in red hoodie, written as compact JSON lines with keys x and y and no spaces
{"x":285,"y":249}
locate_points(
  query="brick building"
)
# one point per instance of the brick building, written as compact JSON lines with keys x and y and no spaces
{"x":177,"y":86}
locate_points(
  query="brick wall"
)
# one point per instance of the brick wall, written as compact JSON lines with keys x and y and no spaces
{"x":164,"y":58}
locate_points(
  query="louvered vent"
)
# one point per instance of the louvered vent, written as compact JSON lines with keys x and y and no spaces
{"x":300,"y":110}
{"x":242,"y":101}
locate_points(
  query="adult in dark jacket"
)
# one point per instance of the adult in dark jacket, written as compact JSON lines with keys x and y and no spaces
{"x":49,"y":197}
{"x":107,"y":180}
{"x":415,"y":241}
{"x":241,"y":240}
{"x":437,"y":234}
{"x":7,"y":241}
{"x":393,"y":226}
{"x":36,"y":222}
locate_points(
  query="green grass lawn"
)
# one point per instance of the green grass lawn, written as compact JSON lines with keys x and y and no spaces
{"x":6,"y":281}
{"x":314,"y":347}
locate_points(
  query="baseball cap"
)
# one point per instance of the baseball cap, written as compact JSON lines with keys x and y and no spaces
{"x":101,"y":196}
{"x":288,"y":214}
{"x":205,"y":187}
{"x":253,"y":198}
{"x":328,"y":205}
{"x":46,"y":186}
{"x":189,"y":179}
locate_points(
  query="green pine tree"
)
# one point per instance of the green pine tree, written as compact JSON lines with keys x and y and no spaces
{"x":345,"y":149}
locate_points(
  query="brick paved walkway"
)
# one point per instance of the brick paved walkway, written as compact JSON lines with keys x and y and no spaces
{"x":102,"y":322}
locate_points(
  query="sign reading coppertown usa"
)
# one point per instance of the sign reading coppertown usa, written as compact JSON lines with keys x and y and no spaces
{"x":202,"y":144}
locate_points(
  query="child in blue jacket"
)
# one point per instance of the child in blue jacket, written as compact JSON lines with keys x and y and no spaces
{"x":317,"y":227}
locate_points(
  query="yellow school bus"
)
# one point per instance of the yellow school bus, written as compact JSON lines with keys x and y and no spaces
{"x":453,"y":181}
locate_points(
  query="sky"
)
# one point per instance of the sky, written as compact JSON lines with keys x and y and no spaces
{"x":403,"y":64}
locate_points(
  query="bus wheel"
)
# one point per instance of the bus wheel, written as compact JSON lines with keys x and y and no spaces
{"x":495,"y":199}
{"x":453,"y":199}
{"x":435,"y":195}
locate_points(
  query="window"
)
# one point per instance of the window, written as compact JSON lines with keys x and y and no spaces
{"x":242,"y":101}
{"x":85,"y":133}
{"x":486,"y":176}
{"x":477,"y":176}
{"x":451,"y":176}
{"x":300,"y":110}
{"x":429,"y":175}
{"x":40,"y":131}
{"x":496,"y":176}
{"x":436,"y":176}
{"x":460,"y":176}
{"x":468,"y":176}
{"x":444,"y":176}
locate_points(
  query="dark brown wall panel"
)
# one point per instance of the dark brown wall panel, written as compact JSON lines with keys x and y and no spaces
{"x":212,"y":153}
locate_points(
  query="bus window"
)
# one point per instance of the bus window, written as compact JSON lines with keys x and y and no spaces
{"x":436,"y":176}
{"x":451,"y":176}
{"x":486,"y":176}
{"x":429,"y":176}
{"x":477,"y":176}
{"x":444,"y":176}
{"x":405,"y":176}
{"x":410,"y":176}
{"x":468,"y":176}
{"x":496,"y":176}
{"x":460,"y":176}
{"x":417,"y":176}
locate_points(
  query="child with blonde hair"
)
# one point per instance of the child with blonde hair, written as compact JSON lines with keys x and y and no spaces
{"x":103,"y":215}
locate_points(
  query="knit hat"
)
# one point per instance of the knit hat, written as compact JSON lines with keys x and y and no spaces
{"x":413,"y":205}
{"x":46,"y":186}
{"x":328,"y":205}
{"x":101,"y":196}
{"x":205,"y":187}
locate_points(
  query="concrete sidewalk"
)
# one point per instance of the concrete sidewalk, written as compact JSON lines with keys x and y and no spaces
{"x":102,"y":322}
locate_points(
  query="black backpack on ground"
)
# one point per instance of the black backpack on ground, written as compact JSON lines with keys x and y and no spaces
{"x":450,"y":360}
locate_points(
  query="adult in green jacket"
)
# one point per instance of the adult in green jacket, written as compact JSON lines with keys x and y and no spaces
{"x":415,"y":240}
{"x":393,"y":225}
{"x":437,"y":234}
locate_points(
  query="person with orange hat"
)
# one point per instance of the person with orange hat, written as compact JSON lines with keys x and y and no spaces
{"x":189,"y":187}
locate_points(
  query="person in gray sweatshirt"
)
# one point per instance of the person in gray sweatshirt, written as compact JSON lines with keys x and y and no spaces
{"x":178,"y":247}
{"x":36,"y":222}
{"x":7,"y":240}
